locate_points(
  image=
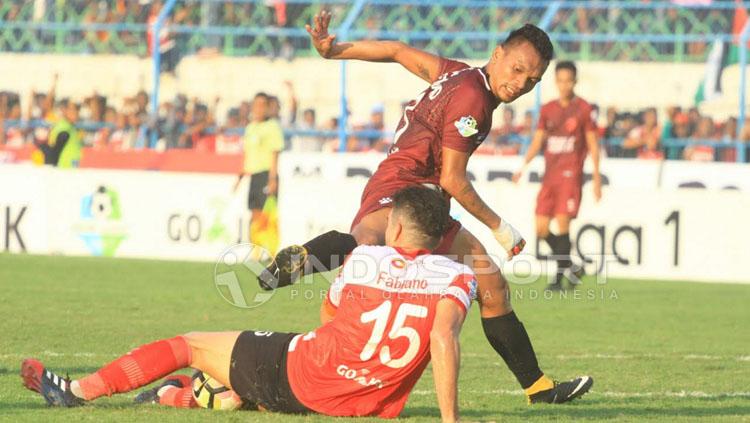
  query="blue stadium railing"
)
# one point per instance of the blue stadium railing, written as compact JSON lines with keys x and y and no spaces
{"x":672,"y":147}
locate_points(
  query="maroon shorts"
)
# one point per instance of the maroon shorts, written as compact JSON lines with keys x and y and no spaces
{"x":380,"y":195}
{"x":559,"y":197}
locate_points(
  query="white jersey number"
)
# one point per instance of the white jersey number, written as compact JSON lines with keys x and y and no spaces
{"x":398,"y":330}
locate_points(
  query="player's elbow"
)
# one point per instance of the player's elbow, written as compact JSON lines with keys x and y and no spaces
{"x":442,"y":337}
{"x":396,"y":48}
{"x":453,"y":183}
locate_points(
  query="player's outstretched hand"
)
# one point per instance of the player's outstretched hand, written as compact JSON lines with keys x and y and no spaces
{"x":509,"y":238}
{"x":321,"y":39}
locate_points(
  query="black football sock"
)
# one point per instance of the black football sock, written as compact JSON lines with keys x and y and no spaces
{"x":327,"y":252}
{"x":554,"y":242}
{"x":563,"y":253}
{"x":551,"y":240}
{"x":509,"y":338}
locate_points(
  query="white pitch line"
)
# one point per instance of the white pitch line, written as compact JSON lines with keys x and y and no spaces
{"x":613,"y":394}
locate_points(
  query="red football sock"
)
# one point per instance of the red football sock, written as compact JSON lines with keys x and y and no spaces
{"x":178,"y":397}
{"x":137,"y":368}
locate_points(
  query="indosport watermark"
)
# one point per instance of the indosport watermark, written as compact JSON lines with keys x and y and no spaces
{"x":238,"y":273}
{"x":241,"y":268}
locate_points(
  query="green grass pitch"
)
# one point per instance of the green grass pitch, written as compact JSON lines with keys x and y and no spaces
{"x":657,"y":350}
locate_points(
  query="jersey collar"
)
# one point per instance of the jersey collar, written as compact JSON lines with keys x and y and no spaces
{"x":411,"y":254}
{"x":485,"y":78}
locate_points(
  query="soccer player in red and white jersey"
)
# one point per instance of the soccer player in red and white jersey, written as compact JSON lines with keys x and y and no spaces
{"x":379,"y":329}
{"x":567,"y":131}
{"x":437,"y":134}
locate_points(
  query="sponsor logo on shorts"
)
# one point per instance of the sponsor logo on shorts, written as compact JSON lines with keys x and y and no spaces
{"x":358,"y":376}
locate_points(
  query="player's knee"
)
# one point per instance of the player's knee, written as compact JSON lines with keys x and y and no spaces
{"x":494,"y":295}
{"x":195,"y":342}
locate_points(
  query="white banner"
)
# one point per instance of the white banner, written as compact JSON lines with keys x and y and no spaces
{"x":122,"y":213}
{"x":634,"y":232}
{"x":713,"y":176}
{"x":337,"y":167}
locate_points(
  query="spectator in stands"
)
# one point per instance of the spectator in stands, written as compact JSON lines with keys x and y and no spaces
{"x":370,"y":141}
{"x":332,"y":142}
{"x":694,"y":118}
{"x":63,"y":149}
{"x":10,"y":110}
{"x":199,"y":121}
{"x":643,"y":140}
{"x":118,"y":140}
{"x":507,"y":128}
{"x":526,"y":128}
{"x":667,"y":129}
{"x":307,"y":143}
{"x":103,"y":135}
{"x":730,"y":130}
{"x":228,"y":138}
{"x":704,"y":134}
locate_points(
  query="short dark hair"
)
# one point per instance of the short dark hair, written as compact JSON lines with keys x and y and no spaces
{"x":426,"y":210}
{"x":566,"y":64}
{"x":261,"y":94}
{"x":534,"y":35}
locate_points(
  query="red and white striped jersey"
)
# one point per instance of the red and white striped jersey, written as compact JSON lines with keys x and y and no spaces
{"x":366,"y":361}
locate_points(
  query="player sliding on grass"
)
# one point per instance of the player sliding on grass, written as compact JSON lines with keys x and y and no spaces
{"x":567,"y":130}
{"x":380,"y":328}
{"x":433,"y":142}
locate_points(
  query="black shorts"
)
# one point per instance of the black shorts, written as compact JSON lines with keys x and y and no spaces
{"x":256,"y":198}
{"x":258,"y":371}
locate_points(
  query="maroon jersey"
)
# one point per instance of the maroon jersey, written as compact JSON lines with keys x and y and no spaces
{"x":565,"y":147}
{"x":454,"y":112}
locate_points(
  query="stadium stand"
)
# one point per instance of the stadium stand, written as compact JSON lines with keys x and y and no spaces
{"x":664,"y":32}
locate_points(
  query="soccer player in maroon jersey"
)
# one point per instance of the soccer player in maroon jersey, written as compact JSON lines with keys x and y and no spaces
{"x":379,"y":331}
{"x":567,"y":132}
{"x":438,"y":132}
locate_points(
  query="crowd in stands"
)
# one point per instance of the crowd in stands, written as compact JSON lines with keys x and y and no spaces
{"x":599,"y":17}
{"x":194,"y":124}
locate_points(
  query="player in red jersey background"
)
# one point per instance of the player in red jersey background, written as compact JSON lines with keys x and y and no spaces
{"x":437,"y":135}
{"x":380,"y":328}
{"x":567,"y":132}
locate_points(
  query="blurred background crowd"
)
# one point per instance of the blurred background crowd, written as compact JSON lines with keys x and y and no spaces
{"x":192,"y":123}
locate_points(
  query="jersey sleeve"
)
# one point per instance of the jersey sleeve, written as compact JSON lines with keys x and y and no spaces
{"x":448,"y":65}
{"x":463,"y":290}
{"x":589,"y":122}
{"x":542,"y":122}
{"x":465,"y":117}
{"x":275,"y":136}
{"x":333,"y":298}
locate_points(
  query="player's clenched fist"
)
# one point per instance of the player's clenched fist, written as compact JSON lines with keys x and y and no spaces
{"x":509,"y":238}
{"x":321,"y":39}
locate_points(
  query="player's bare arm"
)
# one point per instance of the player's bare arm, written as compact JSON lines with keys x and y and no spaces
{"x":446,"y":356}
{"x":454,"y":180}
{"x":536,"y":145}
{"x":418,"y":62}
{"x":593,"y":146}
